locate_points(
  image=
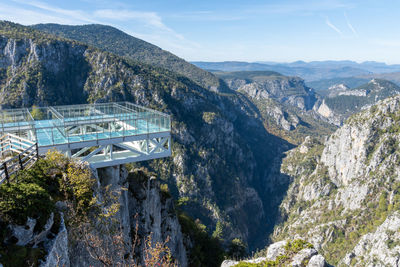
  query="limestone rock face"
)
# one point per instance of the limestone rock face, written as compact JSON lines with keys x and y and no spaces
{"x":55,"y":244}
{"x":379,"y":248}
{"x":317,"y":261}
{"x":229,"y":263}
{"x":302,"y":256}
{"x":58,"y":248}
{"x":345,"y":191}
{"x":276,"y":249}
{"x":23,"y":233}
{"x":140,"y":202}
{"x":290,"y":91}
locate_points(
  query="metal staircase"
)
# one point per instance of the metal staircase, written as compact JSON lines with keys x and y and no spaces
{"x":18,"y":154}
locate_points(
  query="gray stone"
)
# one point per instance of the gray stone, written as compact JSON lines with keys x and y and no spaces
{"x":229,"y":263}
{"x":317,"y":261}
{"x":45,"y":231}
{"x":61,"y":206}
{"x":58,"y":253}
{"x":276,"y":249}
{"x":303,"y":255}
{"x":24,"y":233}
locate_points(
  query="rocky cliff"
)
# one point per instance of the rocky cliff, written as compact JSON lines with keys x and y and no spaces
{"x":262,"y":85}
{"x":285,"y":103}
{"x":342,"y":101}
{"x":141,"y":204}
{"x":219,"y":161}
{"x":344,"y":197}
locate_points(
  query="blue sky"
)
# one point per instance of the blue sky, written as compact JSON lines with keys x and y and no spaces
{"x":247,"y":30}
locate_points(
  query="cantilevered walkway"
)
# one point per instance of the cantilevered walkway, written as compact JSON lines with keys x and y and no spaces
{"x":104,"y":134}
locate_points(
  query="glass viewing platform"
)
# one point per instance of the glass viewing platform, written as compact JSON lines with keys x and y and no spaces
{"x":104,"y":134}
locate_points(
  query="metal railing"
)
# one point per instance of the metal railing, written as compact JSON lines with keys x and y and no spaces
{"x":23,"y":154}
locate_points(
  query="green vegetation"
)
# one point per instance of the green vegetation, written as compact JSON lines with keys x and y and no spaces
{"x":237,"y":249}
{"x":346,"y":104}
{"x":36,"y":113}
{"x":209,"y":117}
{"x":17,"y":256}
{"x":21,"y":200}
{"x":33,"y":193}
{"x":206,"y":250}
{"x":165,"y":191}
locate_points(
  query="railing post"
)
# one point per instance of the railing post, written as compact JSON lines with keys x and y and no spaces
{"x":37,"y":150}
{"x":6,"y":172}
{"x":20,"y":162}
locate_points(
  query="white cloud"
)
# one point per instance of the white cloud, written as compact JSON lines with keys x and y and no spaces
{"x":151,"y":19}
{"x":28,"y":16}
{"x":148,"y":25}
{"x":333,"y":27}
{"x":42,"y":8}
{"x":350,"y":25}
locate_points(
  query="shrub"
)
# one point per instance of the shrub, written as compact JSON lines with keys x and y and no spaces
{"x":79,"y":188}
{"x":206,"y":250}
{"x":21,"y":200}
{"x":237,"y":249}
{"x":165,"y":191}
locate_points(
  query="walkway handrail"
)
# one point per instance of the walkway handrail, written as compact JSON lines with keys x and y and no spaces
{"x":28,"y":153}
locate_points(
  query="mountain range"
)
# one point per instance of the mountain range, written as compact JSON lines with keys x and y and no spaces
{"x":309,"y":71}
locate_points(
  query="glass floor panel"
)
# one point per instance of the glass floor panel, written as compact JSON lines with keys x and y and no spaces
{"x":70,"y":124}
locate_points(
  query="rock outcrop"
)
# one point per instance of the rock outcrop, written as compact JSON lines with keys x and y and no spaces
{"x":143,"y":205}
{"x":288,"y":90}
{"x":285,"y":103}
{"x":341,"y":101}
{"x":283,"y":253}
{"x":344,"y":198}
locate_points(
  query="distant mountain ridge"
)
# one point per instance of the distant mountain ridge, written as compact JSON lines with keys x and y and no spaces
{"x":122,"y":44}
{"x":309,"y":71}
{"x":372,"y":66}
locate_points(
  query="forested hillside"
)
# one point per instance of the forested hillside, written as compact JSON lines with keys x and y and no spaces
{"x":122,"y":44}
